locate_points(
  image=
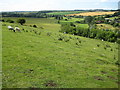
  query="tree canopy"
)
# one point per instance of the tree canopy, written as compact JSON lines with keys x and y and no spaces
{"x":21,"y":21}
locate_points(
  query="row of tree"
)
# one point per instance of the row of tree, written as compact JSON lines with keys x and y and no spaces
{"x":40,"y":14}
{"x":21,"y":21}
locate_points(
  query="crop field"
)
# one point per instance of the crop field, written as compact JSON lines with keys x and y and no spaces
{"x":91,"y":13}
{"x":38,"y":58}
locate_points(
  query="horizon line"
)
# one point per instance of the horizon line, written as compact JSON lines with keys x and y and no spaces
{"x":53,"y":10}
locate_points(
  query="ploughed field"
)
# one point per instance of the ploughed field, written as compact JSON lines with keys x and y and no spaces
{"x":43,"y":57}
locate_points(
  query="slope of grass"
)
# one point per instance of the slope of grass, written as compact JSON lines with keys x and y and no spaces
{"x":0,"y":55}
{"x":43,"y":61}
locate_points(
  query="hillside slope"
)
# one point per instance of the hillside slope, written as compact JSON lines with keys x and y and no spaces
{"x":52,"y":59}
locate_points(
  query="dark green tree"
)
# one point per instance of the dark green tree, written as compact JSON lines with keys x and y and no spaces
{"x":21,"y":21}
{"x":10,"y":21}
{"x":89,"y":20}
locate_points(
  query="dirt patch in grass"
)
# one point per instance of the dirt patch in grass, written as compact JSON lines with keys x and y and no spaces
{"x":113,"y":70}
{"x":111,"y":77}
{"x":103,"y":72}
{"x":50,"y":83}
{"x":98,"y":78}
{"x":100,"y":61}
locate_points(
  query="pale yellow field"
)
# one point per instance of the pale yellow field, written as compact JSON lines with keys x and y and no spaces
{"x":91,"y":13}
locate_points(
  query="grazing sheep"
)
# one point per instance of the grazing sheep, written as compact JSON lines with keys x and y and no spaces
{"x":10,"y":28}
{"x":17,"y":29}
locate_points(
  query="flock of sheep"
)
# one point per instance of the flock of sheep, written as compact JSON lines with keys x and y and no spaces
{"x":14,"y":29}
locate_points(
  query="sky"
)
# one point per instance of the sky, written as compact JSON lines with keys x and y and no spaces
{"x":37,"y":5}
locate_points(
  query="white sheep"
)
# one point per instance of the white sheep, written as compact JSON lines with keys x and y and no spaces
{"x":17,"y":29}
{"x":10,"y":28}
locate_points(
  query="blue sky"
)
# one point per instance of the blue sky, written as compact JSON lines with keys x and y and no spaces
{"x":36,"y":5}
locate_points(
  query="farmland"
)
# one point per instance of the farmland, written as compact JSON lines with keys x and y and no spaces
{"x":64,"y":12}
{"x":91,"y":13}
{"x":44,"y":60}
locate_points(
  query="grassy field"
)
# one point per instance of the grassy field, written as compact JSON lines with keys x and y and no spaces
{"x":0,"y":55}
{"x":112,"y":18}
{"x":65,"y":12}
{"x":42,"y":60}
{"x":106,"y":26}
{"x":71,"y":20}
{"x":91,"y":13}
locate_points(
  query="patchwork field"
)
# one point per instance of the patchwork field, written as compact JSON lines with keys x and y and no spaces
{"x":39,"y":58}
{"x":91,"y":13}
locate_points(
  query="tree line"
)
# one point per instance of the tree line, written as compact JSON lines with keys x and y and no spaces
{"x":91,"y":31}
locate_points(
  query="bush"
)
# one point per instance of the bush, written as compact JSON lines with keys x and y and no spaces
{"x":30,"y":25}
{"x":34,"y":26}
{"x":41,"y":27}
{"x":112,"y":22}
{"x":39,"y":33}
{"x":26,"y":30}
{"x":66,"y":39}
{"x":117,"y":62}
{"x":48,"y":33}
{"x":118,"y":41}
{"x":60,"y":37}
{"x":98,"y":45}
{"x":10,"y":21}
{"x":116,"y":24}
{"x":66,"y":19}
{"x":3,"y":20}
{"x":77,"y":21}
{"x":35,"y":32}
{"x":21,"y":21}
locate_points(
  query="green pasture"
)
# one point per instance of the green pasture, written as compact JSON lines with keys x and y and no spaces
{"x":39,"y":58}
{"x":0,"y":55}
{"x":64,"y":12}
{"x":106,"y":26}
{"x":71,"y":20}
{"x":113,"y":17}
